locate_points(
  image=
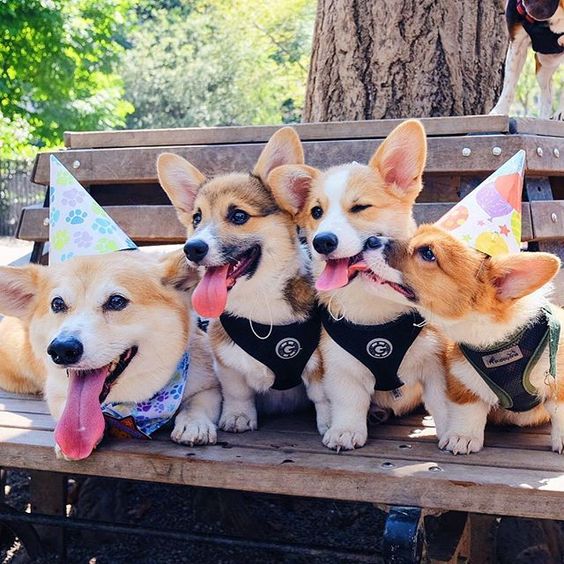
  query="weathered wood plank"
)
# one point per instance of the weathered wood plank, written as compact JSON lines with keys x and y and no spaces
{"x":23,"y":406}
{"x":547,"y":218}
{"x":137,"y":164}
{"x":458,"y":125}
{"x":464,"y":488}
{"x":536,"y":126}
{"x":159,"y":224}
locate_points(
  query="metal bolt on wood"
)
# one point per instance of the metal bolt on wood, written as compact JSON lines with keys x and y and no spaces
{"x":556,"y":152}
{"x":496,"y":151}
{"x":540,"y":151}
{"x":46,"y":221}
{"x":387,"y":465}
{"x":466,"y":152}
{"x":553,"y":217}
{"x":435,"y":469}
{"x":76,"y":164}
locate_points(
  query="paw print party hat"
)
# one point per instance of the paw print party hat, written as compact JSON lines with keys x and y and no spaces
{"x":489,"y":218}
{"x":78,"y":225}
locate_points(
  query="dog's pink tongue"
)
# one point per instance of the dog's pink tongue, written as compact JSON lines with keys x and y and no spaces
{"x":81,"y":427}
{"x":334,"y":275}
{"x":210,"y":296}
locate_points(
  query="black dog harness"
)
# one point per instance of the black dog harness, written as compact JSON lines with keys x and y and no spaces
{"x":381,"y":348}
{"x":287,"y":349}
{"x":506,"y":367}
{"x":544,"y":40}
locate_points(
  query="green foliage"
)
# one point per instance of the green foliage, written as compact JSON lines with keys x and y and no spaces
{"x":527,"y":94}
{"x":57,"y":69}
{"x":222,"y":62}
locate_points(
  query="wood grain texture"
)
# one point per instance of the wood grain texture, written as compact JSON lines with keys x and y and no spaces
{"x":536,"y":126}
{"x":457,"y":125}
{"x":376,"y":59}
{"x":138,"y":164}
{"x":547,"y":219}
{"x":160,"y":225}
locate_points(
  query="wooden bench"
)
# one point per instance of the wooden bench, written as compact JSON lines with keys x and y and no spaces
{"x":515,"y":475}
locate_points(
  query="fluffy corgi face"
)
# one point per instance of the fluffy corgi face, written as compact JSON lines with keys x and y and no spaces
{"x":343,"y":206}
{"x":109,"y":327}
{"x":452,"y":281}
{"x":236,"y":229}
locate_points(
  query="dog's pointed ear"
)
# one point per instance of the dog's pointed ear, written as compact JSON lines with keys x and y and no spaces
{"x":180,"y":180}
{"x":18,"y":287}
{"x":177,"y":272}
{"x":400,"y":159}
{"x":283,"y":148}
{"x":290,"y":185}
{"x":516,"y":276}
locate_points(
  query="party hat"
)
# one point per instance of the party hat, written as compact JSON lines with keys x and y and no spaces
{"x":78,"y":225}
{"x":489,"y":218}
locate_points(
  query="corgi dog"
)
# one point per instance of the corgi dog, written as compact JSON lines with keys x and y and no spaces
{"x":109,"y":329}
{"x":256,"y":288}
{"x":373,"y":349}
{"x":538,"y":24}
{"x":504,"y":345}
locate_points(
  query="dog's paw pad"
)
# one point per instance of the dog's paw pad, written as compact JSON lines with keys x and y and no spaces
{"x":558,"y":444}
{"x":344,"y":439}
{"x":461,"y":444}
{"x":237,"y":422}
{"x":193,"y":432}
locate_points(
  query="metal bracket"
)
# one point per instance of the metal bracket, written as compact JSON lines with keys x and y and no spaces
{"x":403,"y":535}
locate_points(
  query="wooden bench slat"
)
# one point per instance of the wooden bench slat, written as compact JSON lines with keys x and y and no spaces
{"x":23,"y":406}
{"x":137,"y":164}
{"x":481,"y":489}
{"x":536,"y":126}
{"x":160,"y":225}
{"x":547,"y":217}
{"x":457,"y":125}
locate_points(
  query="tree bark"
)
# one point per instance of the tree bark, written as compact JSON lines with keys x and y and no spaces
{"x":375,"y":59}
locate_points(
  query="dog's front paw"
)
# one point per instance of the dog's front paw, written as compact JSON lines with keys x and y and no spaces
{"x":558,"y":115}
{"x":558,"y":443}
{"x":237,"y":422}
{"x":337,"y":438}
{"x":461,"y":444}
{"x":188,"y":431}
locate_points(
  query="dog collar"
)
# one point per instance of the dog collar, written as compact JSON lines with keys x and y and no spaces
{"x":141,"y":420}
{"x":284,"y":349}
{"x":522,"y":11}
{"x":381,"y":348}
{"x":506,"y":367}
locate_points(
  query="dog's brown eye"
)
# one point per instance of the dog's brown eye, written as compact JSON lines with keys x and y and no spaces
{"x":238,"y":217}
{"x":196,"y":218}
{"x":360,"y":207}
{"x":115,"y":303}
{"x":316,"y":212}
{"x":58,"y":305}
{"x":427,"y":254}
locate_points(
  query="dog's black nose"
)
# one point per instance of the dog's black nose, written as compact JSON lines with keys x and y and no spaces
{"x":65,"y":350}
{"x":196,"y":250}
{"x":373,"y":243}
{"x":325,"y":243}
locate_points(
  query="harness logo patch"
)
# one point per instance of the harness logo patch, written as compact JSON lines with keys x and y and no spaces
{"x":379,"y":348}
{"x":288,"y":348}
{"x":501,"y":358}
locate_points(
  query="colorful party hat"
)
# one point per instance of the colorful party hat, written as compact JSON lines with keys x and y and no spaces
{"x":489,"y":218}
{"x":79,"y":226}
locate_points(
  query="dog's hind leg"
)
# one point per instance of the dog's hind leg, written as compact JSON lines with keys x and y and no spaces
{"x":514,"y":62}
{"x":545,"y":67}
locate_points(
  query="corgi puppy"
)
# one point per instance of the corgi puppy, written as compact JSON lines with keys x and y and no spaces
{"x":373,"y":349}
{"x":109,"y":329}
{"x":504,"y":334}
{"x":256,"y":287}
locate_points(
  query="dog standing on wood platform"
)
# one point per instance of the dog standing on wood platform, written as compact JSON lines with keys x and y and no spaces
{"x":373,"y":349}
{"x":505,"y":339}
{"x":256,"y":288}
{"x":539,"y":23}
{"x":107,"y":329}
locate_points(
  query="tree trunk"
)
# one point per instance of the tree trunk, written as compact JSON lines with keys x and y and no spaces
{"x":377,"y":59}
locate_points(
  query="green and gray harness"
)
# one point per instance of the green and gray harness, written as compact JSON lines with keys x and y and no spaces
{"x":506,"y":367}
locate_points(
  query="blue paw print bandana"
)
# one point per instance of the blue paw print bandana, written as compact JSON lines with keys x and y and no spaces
{"x":141,"y":420}
{"x":78,"y":226}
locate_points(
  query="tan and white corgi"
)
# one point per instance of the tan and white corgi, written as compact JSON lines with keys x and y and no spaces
{"x":256,"y":288}
{"x":495,"y":312}
{"x":373,"y":349}
{"x":108,"y":329}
